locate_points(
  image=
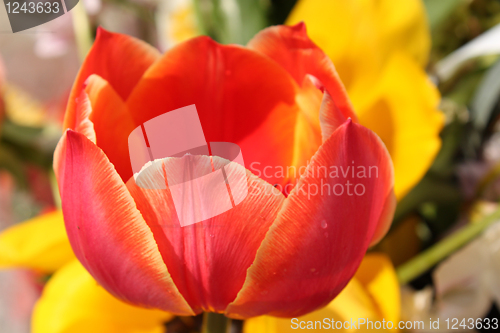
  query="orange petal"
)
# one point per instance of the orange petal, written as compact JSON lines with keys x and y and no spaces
{"x":241,"y":97}
{"x":207,"y":260}
{"x":119,"y":59}
{"x":294,"y":51}
{"x":107,"y":232}
{"x":83,"y":110}
{"x":319,"y":239}
{"x":112,"y":123}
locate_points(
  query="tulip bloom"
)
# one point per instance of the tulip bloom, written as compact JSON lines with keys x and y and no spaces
{"x":282,"y":102}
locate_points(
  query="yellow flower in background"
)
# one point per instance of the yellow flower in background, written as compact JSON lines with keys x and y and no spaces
{"x":40,"y":244}
{"x":379,"y":48}
{"x":73,"y":302}
{"x":373,"y":294}
{"x":175,"y":22}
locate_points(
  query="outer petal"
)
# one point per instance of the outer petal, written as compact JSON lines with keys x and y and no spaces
{"x":73,"y":302}
{"x":241,"y":97}
{"x":294,"y":51}
{"x":373,"y":294}
{"x":119,"y":59}
{"x":402,"y":108}
{"x":107,"y":232}
{"x":319,"y":238}
{"x":208,"y":260}
{"x":40,"y":243}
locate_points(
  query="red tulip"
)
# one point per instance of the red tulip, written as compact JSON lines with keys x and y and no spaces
{"x":279,"y":253}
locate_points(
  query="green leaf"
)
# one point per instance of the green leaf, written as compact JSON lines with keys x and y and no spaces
{"x":486,"y":97}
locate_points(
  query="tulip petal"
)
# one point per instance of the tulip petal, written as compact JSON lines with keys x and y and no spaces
{"x":119,"y":59}
{"x":294,"y":51}
{"x":308,"y":131}
{"x":373,"y":294}
{"x":83,"y":110}
{"x":73,"y":302}
{"x":107,"y":232}
{"x":240,"y":95}
{"x":317,"y":241}
{"x":207,"y":260}
{"x":40,"y":243}
{"x":112,"y":123}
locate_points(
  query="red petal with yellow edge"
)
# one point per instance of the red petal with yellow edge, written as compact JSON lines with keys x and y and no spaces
{"x":318,"y":240}
{"x":73,"y":302}
{"x":112,"y":123}
{"x":241,"y":96}
{"x":107,"y":232}
{"x":83,"y":125}
{"x":208,"y":260}
{"x":40,"y":243}
{"x":119,"y":59}
{"x":294,"y":51}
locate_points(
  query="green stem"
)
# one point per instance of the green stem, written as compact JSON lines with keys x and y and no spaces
{"x":81,"y":27}
{"x":427,"y":259}
{"x":215,"y":323}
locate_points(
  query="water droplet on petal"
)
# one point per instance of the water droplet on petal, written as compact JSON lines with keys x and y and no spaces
{"x":324,"y":224}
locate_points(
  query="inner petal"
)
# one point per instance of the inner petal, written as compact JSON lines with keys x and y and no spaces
{"x":207,"y":260}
